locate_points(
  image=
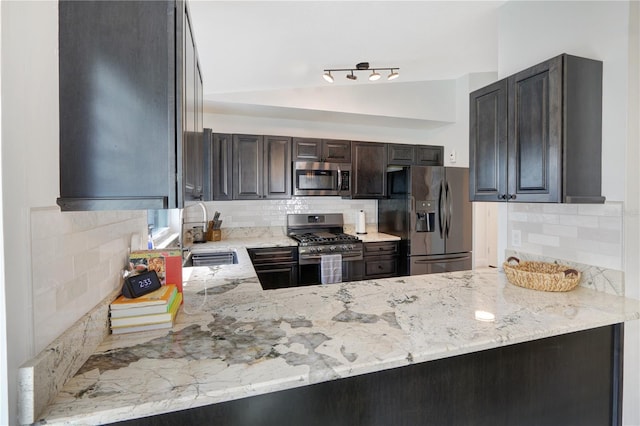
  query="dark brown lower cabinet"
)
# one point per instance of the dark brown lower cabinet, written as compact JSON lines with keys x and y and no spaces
{"x":572,"y":379}
{"x":276,"y":267}
{"x":381,"y":259}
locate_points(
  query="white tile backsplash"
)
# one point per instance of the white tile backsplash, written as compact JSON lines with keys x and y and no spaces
{"x":76,"y":262}
{"x":585,"y":233}
{"x":272,"y":213}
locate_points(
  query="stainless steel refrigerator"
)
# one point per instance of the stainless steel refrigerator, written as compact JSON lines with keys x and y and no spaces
{"x":429,"y":209}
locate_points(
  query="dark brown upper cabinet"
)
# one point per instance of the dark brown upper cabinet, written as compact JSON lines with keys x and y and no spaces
{"x":311,"y":149}
{"x":408,"y":155}
{"x":222,"y":166}
{"x":130,"y":96}
{"x":536,"y":136}
{"x":261,"y":167}
{"x":369,"y":169}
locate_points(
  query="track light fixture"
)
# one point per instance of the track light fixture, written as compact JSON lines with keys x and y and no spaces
{"x":328,"y":77}
{"x":362,"y":66}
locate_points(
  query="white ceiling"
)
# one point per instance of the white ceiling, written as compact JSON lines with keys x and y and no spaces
{"x":250,"y":46}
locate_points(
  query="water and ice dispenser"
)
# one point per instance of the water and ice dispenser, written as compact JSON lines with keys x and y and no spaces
{"x":426,"y":216}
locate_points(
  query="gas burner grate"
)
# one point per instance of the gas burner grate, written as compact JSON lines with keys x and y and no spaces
{"x":324,"y":238}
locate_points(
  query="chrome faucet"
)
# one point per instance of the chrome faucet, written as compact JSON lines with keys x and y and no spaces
{"x":201,"y":237}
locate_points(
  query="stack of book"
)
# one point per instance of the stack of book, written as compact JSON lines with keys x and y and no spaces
{"x":153,"y":311}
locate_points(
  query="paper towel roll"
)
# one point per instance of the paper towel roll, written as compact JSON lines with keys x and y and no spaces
{"x":361,"y":223}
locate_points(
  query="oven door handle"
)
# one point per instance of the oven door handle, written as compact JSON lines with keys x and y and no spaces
{"x":344,"y":256}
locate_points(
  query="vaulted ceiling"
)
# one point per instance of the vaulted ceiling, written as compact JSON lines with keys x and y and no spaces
{"x":249,"y":48}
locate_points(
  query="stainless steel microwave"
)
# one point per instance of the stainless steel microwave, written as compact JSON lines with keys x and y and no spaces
{"x":311,"y":178}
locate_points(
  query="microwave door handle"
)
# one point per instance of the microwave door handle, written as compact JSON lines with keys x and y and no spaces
{"x":339,"y":179}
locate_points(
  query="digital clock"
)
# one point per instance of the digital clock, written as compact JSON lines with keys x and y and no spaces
{"x":140,"y":284}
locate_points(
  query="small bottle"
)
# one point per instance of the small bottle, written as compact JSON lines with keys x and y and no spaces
{"x":150,"y":242}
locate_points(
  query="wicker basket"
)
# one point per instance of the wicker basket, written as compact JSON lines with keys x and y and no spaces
{"x":541,"y":275}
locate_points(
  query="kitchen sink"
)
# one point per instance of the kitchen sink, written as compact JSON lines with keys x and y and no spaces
{"x":210,"y":258}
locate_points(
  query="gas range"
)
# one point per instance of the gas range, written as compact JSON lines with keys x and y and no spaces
{"x":320,"y":234}
{"x":319,"y":238}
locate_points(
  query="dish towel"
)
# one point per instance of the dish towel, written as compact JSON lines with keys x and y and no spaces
{"x":331,"y":268}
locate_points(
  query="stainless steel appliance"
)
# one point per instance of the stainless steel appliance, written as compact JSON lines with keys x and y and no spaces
{"x":315,"y":178}
{"x":320,"y":234}
{"x":429,"y":209}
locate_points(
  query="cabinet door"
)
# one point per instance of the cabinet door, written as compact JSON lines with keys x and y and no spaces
{"x":336,"y":151}
{"x":384,"y":267}
{"x":535,"y":132}
{"x":190,"y":139}
{"x":277,"y":167}
{"x":488,"y":143}
{"x":369,"y":168}
{"x":381,"y":259}
{"x":307,"y":149}
{"x":401,"y":155}
{"x":222,"y":169}
{"x":200,"y":172}
{"x":429,"y":155}
{"x":247,"y":167}
{"x":117,"y":97}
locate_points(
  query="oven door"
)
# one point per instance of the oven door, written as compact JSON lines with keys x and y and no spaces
{"x":352,"y":270}
{"x":311,"y":178}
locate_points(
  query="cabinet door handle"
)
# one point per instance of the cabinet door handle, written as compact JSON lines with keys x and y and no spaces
{"x":512,"y":196}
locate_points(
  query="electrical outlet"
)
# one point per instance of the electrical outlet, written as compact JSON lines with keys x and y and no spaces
{"x":516,"y":238}
{"x":452,"y":156}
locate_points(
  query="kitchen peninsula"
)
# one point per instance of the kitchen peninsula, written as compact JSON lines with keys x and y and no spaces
{"x":234,"y":343}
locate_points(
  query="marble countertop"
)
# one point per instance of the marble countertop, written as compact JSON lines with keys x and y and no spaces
{"x":233,"y":340}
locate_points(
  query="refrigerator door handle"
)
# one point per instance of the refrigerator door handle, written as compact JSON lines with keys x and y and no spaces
{"x":449,"y":208}
{"x":442,"y":209}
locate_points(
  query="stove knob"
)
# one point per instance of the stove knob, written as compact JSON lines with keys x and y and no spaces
{"x":332,"y":248}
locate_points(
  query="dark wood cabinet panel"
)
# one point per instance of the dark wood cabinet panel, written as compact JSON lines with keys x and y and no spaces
{"x":222,"y":166}
{"x":336,"y":151}
{"x":311,"y":149}
{"x":369,"y":169}
{"x":276,"y":267}
{"x":307,"y":149}
{"x":421,"y":155}
{"x":571,"y":379}
{"x":545,"y":145}
{"x":381,"y":259}
{"x":247,"y":167}
{"x":429,"y":155}
{"x":401,"y":155}
{"x":261,"y":167}
{"x":124,"y":60}
{"x":193,"y":139}
{"x":488,"y":142}
{"x":277,"y":167}
{"x":534,"y":132}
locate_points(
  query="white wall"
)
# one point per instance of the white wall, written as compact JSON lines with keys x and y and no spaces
{"x":531,"y":32}
{"x":423,"y":100}
{"x":4,"y":373}
{"x":29,"y":153}
{"x":594,"y":29}
{"x":68,"y":247}
{"x":453,"y":97}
